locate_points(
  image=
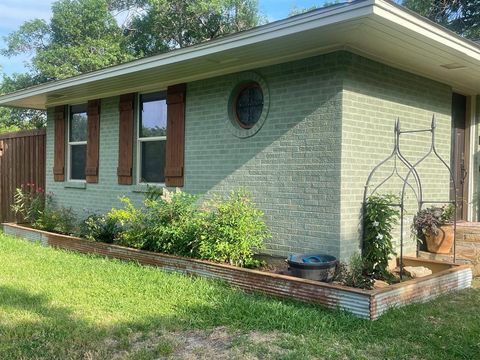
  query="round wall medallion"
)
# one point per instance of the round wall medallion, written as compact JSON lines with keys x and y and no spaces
{"x":248,"y":104}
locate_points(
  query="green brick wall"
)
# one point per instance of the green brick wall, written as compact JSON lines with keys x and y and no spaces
{"x":374,"y":96}
{"x":291,"y":166}
{"x":95,"y":198}
{"x":294,"y":164}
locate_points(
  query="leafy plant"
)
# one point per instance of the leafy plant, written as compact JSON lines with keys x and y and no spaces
{"x":176,"y":223}
{"x":381,"y":217}
{"x":29,"y":202}
{"x":100,"y":228}
{"x":428,"y":221}
{"x":222,"y":229}
{"x":168,"y":223}
{"x":153,"y":192}
{"x":232,"y":229}
{"x":354,"y":274}
{"x":133,"y":224}
{"x":56,"y":218}
{"x":225,"y":230}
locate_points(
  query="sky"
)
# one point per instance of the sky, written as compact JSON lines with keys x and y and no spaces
{"x":13,"y":13}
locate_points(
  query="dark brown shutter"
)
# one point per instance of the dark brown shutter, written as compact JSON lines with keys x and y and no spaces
{"x":175,"y":135}
{"x":59,"y":146}
{"x":125,"y":143}
{"x":93,"y":141}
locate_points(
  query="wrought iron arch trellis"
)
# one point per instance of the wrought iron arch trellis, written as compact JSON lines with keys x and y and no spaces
{"x":417,"y":188}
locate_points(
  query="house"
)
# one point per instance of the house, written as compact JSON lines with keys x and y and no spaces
{"x":298,"y":111}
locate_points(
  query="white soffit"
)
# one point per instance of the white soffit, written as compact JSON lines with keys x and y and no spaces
{"x":376,"y":29}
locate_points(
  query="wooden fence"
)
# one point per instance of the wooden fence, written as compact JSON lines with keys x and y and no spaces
{"x":22,"y":161}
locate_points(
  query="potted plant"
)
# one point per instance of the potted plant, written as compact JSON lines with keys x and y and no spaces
{"x":435,"y":225}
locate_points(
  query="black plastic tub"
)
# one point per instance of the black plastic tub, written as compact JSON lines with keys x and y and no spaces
{"x":317,"y":267}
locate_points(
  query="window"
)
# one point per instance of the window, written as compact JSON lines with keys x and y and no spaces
{"x":152,"y":138}
{"x":248,"y":105}
{"x":77,"y":142}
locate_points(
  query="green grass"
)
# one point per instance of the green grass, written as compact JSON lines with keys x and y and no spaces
{"x":60,"y":305}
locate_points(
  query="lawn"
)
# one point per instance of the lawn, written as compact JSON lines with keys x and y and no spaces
{"x":60,"y":305}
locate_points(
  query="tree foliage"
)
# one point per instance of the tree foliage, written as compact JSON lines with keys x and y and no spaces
{"x":170,"y":24}
{"x":82,"y":36}
{"x":87,"y":35}
{"x":461,"y":16}
{"x":19,"y":119}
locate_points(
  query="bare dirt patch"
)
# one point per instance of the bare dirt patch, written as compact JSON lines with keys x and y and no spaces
{"x":219,"y":343}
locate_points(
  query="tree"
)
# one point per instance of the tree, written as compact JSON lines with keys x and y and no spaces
{"x":461,"y":16}
{"x":82,"y":36}
{"x":170,"y":24}
{"x":18,"y":119}
{"x":297,"y":11}
{"x":85,"y":35}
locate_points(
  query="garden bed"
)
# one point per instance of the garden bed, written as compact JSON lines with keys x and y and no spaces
{"x":369,"y":304}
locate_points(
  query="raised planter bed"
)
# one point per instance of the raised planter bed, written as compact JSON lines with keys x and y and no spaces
{"x":369,"y":304}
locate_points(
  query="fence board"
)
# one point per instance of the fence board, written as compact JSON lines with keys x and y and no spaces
{"x":22,"y":160}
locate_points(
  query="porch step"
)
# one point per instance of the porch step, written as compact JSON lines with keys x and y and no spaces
{"x":468,"y":247}
{"x":468,"y":232}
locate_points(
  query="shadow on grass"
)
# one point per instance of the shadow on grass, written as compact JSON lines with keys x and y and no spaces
{"x":32,"y":326}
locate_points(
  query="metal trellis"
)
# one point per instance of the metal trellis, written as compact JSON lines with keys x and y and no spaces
{"x":416,"y":188}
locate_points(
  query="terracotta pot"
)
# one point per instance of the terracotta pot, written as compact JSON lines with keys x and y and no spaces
{"x":442,"y":242}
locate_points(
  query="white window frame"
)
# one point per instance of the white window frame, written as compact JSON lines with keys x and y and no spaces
{"x":145,"y":139}
{"x":73,"y":143}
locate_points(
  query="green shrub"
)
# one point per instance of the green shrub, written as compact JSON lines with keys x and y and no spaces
{"x":57,"y":219}
{"x":223,"y":230}
{"x":175,"y":219}
{"x":29,"y":202}
{"x":132,"y":221}
{"x":231,"y":229}
{"x":100,"y":228}
{"x":167,"y":223}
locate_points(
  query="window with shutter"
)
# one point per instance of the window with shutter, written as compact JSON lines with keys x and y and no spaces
{"x":152,"y":137}
{"x":77,"y":142}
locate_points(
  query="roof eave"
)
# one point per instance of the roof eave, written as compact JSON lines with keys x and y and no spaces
{"x":278,"y":29}
{"x":207,"y":59}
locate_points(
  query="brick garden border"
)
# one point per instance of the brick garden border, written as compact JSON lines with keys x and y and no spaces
{"x":369,"y":304}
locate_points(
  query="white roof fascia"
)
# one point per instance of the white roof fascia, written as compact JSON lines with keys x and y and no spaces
{"x":278,"y":29}
{"x":383,"y":11}
{"x":425,"y":27}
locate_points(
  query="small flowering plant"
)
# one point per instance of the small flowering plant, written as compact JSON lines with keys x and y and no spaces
{"x":29,"y":202}
{"x":381,"y":215}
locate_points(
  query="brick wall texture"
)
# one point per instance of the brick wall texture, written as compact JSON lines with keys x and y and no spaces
{"x":330,"y":120}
